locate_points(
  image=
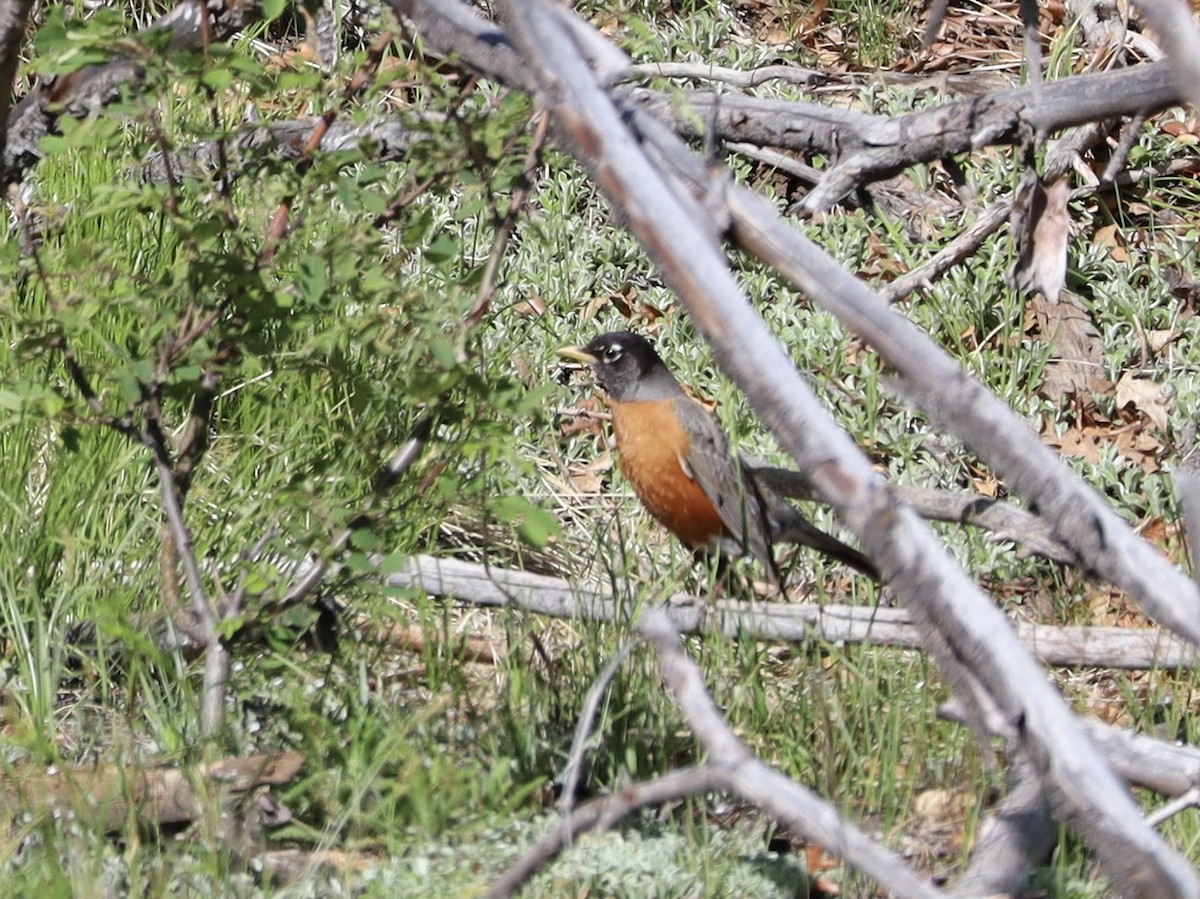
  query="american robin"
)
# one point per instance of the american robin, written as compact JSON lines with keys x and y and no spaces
{"x":680,"y":463}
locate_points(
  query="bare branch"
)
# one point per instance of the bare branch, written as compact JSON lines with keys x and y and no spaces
{"x":1070,"y":646}
{"x":1188,"y":484}
{"x":803,"y":810}
{"x":1181,"y":803}
{"x":742,"y":78}
{"x":1168,"y":768}
{"x":401,"y":461}
{"x":1006,"y":521}
{"x":954,"y":252}
{"x":283,"y":141}
{"x":587,"y":715}
{"x":190,"y":23}
{"x":506,"y":226}
{"x":868,"y":148}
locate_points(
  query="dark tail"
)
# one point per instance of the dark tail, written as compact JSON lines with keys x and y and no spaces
{"x":794,"y":528}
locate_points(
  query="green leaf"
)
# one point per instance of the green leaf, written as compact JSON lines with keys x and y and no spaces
{"x":538,"y":528}
{"x":312,"y":278}
{"x":534,"y":525}
{"x":218,"y":79}
{"x":444,"y":353}
{"x":443,"y":248}
{"x":273,"y":9}
{"x":394,"y":563}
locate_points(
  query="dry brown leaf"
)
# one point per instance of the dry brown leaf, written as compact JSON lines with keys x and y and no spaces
{"x":589,"y":479}
{"x":1138,"y":447}
{"x":986,"y":485}
{"x":1146,"y":397}
{"x":1042,"y":228}
{"x":941,"y":806}
{"x":1155,"y":530}
{"x":1110,"y":238}
{"x":1078,"y":443}
{"x":1160,"y":338}
{"x":533,"y":306}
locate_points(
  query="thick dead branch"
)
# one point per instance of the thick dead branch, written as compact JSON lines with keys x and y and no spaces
{"x":866,"y":147}
{"x":487,"y":585}
{"x":869,"y":148}
{"x":1171,"y":769}
{"x":805,"y":812}
{"x":743,"y":78}
{"x":155,"y":796}
{"x":1168,"y":768}
{"x":388,"y":140}
{"x":1175,"y":30}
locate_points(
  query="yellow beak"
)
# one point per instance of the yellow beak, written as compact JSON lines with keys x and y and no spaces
{"x":576,"y":354}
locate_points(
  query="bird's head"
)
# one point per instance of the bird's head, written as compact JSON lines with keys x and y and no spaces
{"x":626,"y":366}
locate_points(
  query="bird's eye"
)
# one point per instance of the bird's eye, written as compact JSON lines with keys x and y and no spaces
{"x":612,"y":352}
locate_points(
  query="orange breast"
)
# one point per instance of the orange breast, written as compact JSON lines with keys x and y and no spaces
{"x":650,"y":446}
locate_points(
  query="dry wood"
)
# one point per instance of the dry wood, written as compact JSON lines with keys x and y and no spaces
{"x":1175,"y":29}
{"x":282,"y":141}
{"x":155,"y":796}
{"x":1168,"y":768}
{"x":954,"y":252}
{"x":702,"y":71}
{"x":13,"y":16}
{"x":1070,"y":646}
{"x":869,"y":148}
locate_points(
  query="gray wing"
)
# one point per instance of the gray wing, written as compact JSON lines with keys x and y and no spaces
{"x":712,"y":465}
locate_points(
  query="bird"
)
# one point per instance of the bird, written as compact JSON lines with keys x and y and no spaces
{"x":683,"y":468}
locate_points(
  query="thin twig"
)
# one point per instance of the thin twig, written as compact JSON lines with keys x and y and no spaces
{"x":1188,"y":484}
{"x":737,"y":77}
{"x":1174,"y":807}
{"x":504,"y":230}
{"x":954,"y":252}
{"x":602,"y":814}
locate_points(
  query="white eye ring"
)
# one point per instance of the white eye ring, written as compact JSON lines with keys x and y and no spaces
{"x":612,"y":353}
